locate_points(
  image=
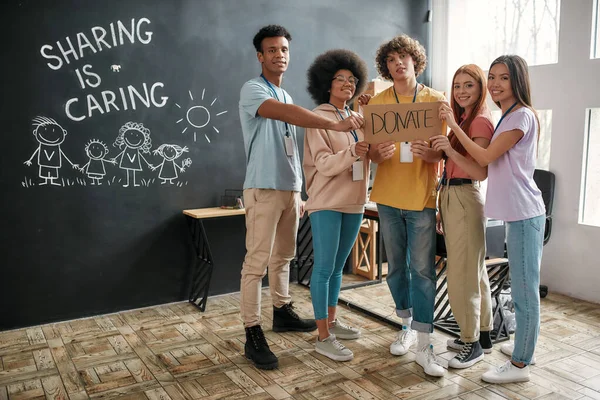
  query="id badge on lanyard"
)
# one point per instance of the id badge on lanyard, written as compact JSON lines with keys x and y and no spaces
{"x":358,"y":166}
{"x":290,"y":146}
{"x":406,"y":155}
{"x":358,"y":170}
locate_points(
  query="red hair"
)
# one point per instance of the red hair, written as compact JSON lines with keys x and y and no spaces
{"x":479,"y":108}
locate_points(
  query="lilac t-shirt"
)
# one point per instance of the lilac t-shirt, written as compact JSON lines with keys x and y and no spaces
{"x":512,"y":194}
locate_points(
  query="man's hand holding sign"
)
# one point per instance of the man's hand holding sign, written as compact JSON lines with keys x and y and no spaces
{"x":414,"y":123}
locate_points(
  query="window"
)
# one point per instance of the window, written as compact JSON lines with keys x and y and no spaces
{"x":595,"y":53}
{"x":492,"y":28}
{"x":589,"y":210}
{"x":543,"y":156}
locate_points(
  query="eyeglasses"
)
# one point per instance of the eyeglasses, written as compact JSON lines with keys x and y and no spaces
{"x":341,"y":79}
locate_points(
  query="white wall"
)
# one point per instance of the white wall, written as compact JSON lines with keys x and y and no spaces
{"x":571,"y":261}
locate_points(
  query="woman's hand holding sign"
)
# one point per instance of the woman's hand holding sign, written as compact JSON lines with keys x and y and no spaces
{"x":361,"y":149}
{"x":364,"y":99}
{"x":446,"y":114}
{"x":441,"y":143}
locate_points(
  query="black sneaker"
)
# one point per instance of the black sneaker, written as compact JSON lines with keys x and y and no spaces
{"x":469,"y":355}
{"x":257,"y":350}
{"x":484,"y":340}
{"x":285,"y":319}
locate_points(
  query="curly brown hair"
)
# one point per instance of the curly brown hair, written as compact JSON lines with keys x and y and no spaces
{"x":402,"y":44}
{"x":321,"y":73}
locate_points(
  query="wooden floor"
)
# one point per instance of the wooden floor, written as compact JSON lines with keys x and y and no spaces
{"x":176,"y":352}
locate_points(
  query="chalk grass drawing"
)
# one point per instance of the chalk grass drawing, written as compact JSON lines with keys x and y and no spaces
{"x":198,"y":116}
{"x":50,"y":135}
{"x":94,"y":168}
{"x":133,"y":139}
{"x":168,"y":167}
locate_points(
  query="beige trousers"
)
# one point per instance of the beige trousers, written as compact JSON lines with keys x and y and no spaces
{"x":271,"y":227}
{"x":461,"y":211}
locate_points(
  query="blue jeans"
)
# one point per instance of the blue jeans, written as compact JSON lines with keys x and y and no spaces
{"x":524,"y":241}
{"x":333,"y":235}
{"x":409,"y":238}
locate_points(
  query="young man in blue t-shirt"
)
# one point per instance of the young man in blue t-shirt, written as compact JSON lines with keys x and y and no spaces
{"x":272,"y":190}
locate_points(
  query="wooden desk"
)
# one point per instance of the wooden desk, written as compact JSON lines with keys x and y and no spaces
{"x":370,"y":214}
{"x":202,"y":265}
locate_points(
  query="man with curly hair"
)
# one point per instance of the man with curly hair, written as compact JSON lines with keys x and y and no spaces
{"x":272,"y":190}
{"x":337,"y":172}
{"x":405,"y":194}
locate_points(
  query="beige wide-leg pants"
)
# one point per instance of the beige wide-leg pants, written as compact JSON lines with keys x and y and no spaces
{"x":461,"y":211}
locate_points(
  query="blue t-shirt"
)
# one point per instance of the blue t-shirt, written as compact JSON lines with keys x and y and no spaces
{"x":267,"y":164}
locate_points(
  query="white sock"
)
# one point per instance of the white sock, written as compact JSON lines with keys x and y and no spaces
{"x":424,"y":339}
{"x":406,"y":322}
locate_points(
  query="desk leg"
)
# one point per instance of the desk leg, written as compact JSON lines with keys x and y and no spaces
{"x":379,"y":266}
{"x":202,"y":265}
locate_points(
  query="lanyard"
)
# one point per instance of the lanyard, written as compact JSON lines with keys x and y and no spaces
{"x":287,"y":129}
{"x":504,"y":115}
{"x":354,"y":135}
{"x":414,"y":97}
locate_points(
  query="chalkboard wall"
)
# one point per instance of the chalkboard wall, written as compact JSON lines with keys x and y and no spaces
{"x":117,"y":115}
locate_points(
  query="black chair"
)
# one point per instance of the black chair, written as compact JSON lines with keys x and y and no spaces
{"x":545,"y":182}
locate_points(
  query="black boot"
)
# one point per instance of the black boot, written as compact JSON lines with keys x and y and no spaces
{"x":257,"y":350}
{"x":285,"y":319}
{"x":485,"y":340}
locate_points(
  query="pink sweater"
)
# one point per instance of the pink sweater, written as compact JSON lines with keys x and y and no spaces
{"x":328,"y":158}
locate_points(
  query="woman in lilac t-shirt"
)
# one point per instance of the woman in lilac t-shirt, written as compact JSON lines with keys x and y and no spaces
{"x":513,"y":196}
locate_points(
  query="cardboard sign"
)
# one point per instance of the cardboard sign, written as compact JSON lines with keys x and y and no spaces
{"x":402,"y":122}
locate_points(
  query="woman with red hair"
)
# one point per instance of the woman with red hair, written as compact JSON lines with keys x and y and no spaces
{"x":462,"y":221}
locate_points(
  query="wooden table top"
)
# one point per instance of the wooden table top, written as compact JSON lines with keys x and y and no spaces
{"x":213,"y":212}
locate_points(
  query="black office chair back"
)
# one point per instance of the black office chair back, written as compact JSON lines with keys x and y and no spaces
{"x":545,"y":182}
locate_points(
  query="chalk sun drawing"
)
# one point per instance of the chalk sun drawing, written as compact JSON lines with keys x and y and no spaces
{"x":198,"y":116}
{"x":50,"y":135}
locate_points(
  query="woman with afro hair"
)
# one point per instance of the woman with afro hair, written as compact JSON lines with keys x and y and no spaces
{"x":336,"y":168}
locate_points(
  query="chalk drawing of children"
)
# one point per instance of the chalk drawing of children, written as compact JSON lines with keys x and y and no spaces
{"x":168,"y":167}
{"x":50,"y":135}
{"x":133,"y":138}
{"x":96,"y":151}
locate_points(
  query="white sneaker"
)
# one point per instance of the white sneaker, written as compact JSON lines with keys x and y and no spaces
{"x":427,"y":359}
{"x":406,"y":338}
{"x":508,"y":348}
{"x":506,"y":373}
{"x":332,"y":348}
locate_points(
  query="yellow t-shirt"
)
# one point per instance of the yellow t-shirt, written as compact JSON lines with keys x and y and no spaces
{"x":408,"y":186}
